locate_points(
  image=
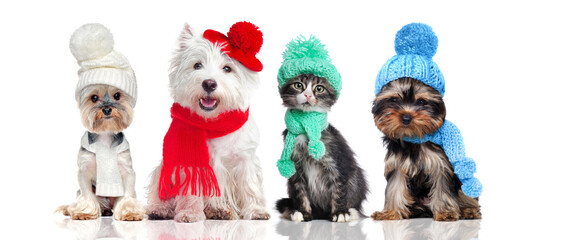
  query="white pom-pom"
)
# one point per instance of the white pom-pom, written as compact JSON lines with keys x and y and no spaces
{"x":91,"y":41}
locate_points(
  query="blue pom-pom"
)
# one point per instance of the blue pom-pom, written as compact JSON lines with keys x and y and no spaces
{"x":472,"y":187}
{"x":416,"y":39}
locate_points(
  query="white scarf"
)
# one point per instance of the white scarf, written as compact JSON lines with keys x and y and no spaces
{"x":108,"y":180}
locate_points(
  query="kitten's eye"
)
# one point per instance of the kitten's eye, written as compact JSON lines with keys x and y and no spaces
{"x":117,"y":96}
{"x":298,"y":85}
{"x":94,"y":98}
{"x":393,"y":99}
{"x":319,"y":89}
{"x":227,"y":69}
{"x":421,"y":102}
{"x":198,"y":66}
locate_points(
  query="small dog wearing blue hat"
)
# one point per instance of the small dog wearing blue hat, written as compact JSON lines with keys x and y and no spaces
{"x":427,"y":172}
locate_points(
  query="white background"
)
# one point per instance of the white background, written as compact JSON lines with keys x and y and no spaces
{"x":500,"y":61}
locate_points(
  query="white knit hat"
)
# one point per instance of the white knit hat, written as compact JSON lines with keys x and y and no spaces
{"x":92,"y":46}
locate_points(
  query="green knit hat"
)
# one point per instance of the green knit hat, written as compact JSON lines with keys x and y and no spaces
{"x":308,"y":56}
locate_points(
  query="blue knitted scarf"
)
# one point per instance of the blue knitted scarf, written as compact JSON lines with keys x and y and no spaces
{"x":450,"y":139}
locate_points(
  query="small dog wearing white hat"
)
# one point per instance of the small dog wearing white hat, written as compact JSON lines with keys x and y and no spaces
{"x":106,"y":95}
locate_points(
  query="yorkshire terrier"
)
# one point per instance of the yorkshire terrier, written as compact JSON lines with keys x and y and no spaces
{"x":421,"y":180}
{"x":427,"y":171}
{"x":106,"y":177}
{"x":208,"y":81}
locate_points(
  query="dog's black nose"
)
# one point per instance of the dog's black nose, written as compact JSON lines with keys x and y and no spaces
{"x":209,"y":85}
{"x":106,"y":111}
{"x":406,"y":119}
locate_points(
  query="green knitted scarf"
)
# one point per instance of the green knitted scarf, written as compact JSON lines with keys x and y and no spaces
{"x":300,"y":122}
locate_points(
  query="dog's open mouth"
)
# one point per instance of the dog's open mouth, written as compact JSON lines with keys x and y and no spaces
{"x":208,"y":103}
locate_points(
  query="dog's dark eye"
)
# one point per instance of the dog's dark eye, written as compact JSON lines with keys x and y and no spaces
{"x":298,"y":85}
{"x":94,"y":98}
{"x":198,"y":66}
{"x":421,"y":102}
{"x":227,"y":69}
{"x":117,"y":96}
{"x":393,"y":99}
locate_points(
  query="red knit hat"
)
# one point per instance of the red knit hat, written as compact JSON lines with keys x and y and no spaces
{"x":243,"y":42}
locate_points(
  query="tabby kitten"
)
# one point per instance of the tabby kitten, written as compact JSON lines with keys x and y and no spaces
{"x":332,"y":187}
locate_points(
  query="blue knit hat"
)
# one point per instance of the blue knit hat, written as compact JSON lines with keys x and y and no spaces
{"x":415,"y":45}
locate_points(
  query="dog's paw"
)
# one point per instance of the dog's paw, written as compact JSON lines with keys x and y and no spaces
{"x":63,"y":209}
{"x":160,"y":212}
{"x":83,"y":215}
{"x":128,"y":209}
{"x":84,"y":209}
{"x":189,"y":216}
{"x":446,"y":216}
{"x":218,"y":213}
{"x":386,"y":215}
{"x":470,"y":213}
{"x":260,"y":216}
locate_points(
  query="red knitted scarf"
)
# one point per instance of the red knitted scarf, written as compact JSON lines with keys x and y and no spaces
{"x":186,"y":151}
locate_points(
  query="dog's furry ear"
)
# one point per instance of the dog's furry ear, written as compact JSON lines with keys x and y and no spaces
{"x":186,"y":34}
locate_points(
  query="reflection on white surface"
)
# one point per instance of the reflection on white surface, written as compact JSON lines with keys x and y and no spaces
{"x":321,"y":230}
{"x":365,"y":228}
{"x":426,"y":228}
{"x":209,"y":229}
{"x":106,"y":227}
{"x":102,"y":228}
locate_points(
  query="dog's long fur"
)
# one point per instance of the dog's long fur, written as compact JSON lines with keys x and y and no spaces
{"x":108,"y":131}
{"x":421,"y":180}
{"x":233,"y":158}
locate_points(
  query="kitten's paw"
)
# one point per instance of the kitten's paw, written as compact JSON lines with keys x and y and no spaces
{"x":470,"y":213}
{"x":299,"y":217}
{"x":446,"y":216}
{"x":354,"y":214}
{"x":189,"y":216}
{"x":386,"y":215}
{"x":341,"y":217}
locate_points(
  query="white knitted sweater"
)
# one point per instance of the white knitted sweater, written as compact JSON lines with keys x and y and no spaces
{"x":108,"y":178}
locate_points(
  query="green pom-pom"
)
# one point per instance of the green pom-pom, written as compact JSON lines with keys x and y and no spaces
{"x":286,"y":168}
{"x":316,"y":149}
{"x":301,"y":47}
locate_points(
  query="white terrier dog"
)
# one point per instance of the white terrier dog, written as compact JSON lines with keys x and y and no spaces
{"x":211,"y":79}
{"x":106,"y":94}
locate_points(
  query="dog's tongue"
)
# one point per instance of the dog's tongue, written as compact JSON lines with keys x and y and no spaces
{"x":208,"y":101}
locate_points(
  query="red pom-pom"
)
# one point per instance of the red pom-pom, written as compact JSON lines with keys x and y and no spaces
{"x":247,"y":37}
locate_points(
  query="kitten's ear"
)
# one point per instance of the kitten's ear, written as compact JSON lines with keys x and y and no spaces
{"x":186,"y":34}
